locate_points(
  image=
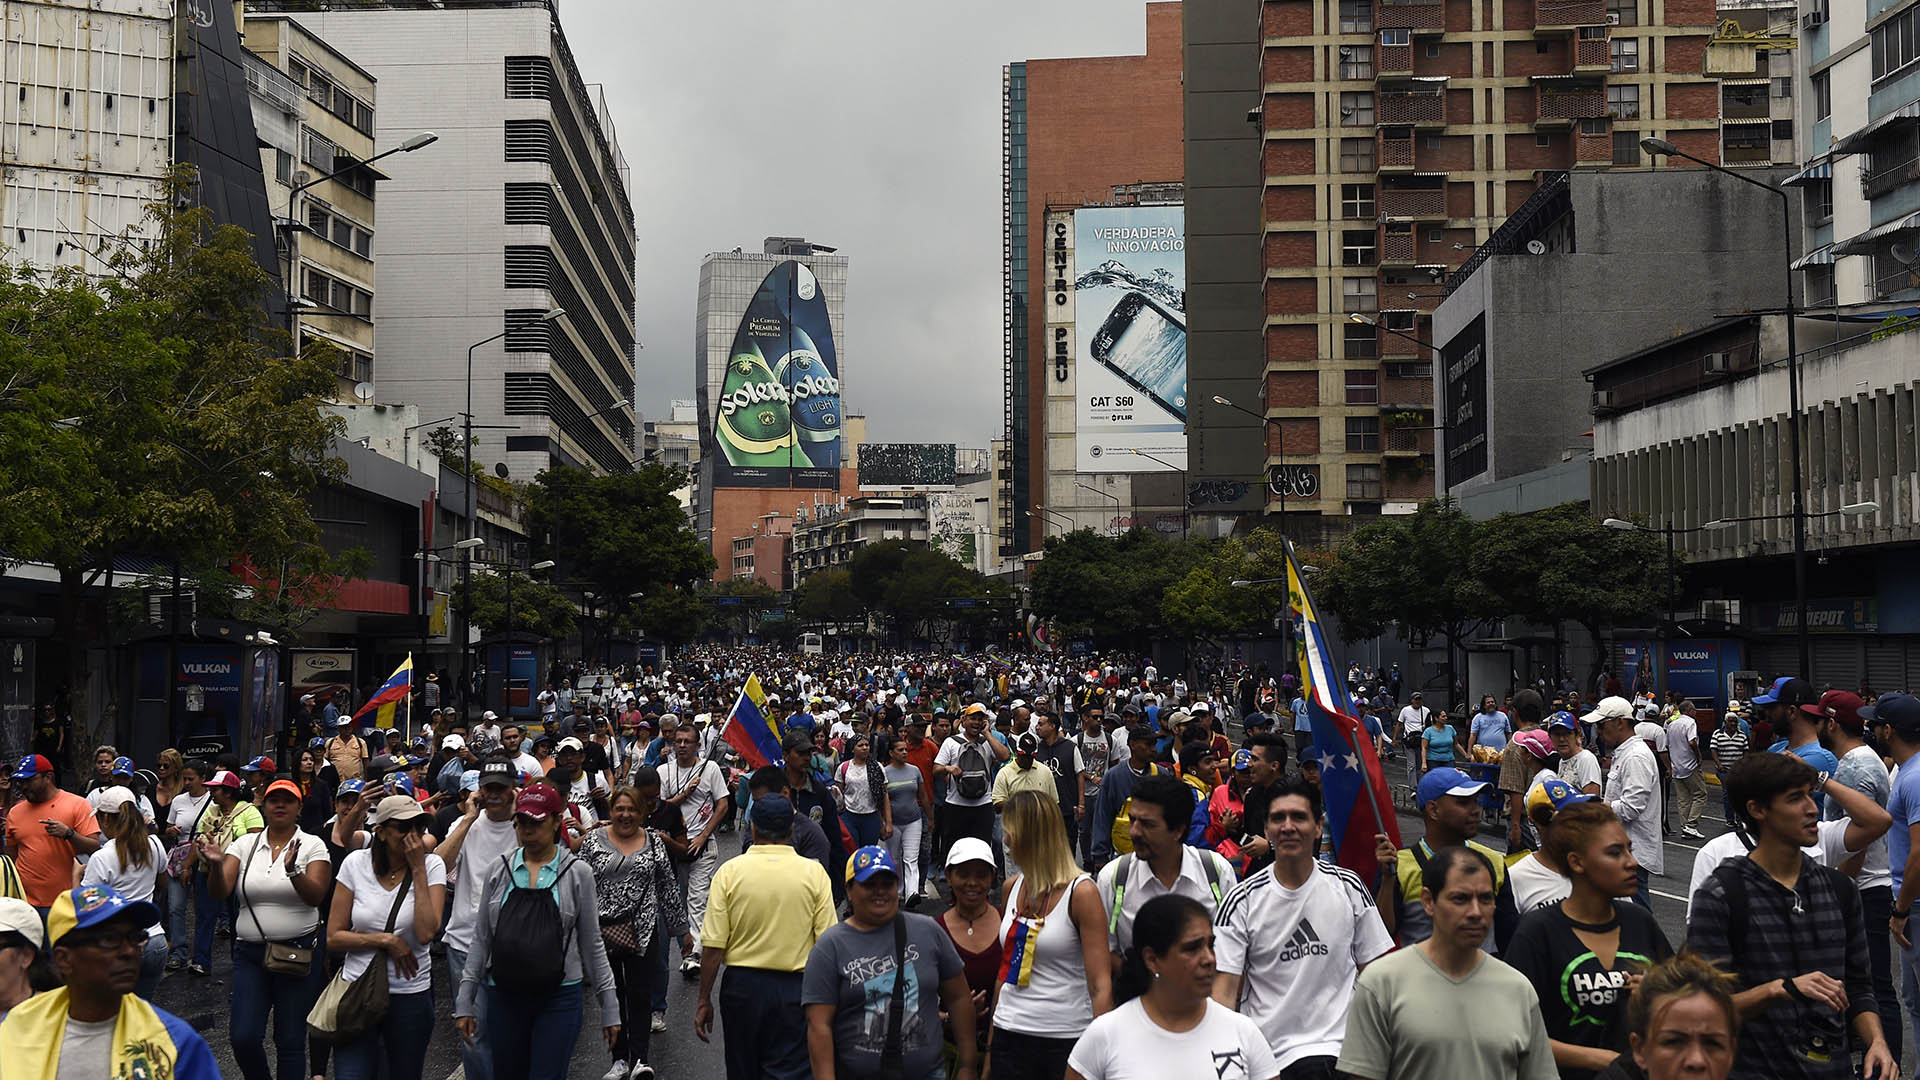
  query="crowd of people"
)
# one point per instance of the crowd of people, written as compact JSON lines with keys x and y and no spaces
{"x":1132,"y":877}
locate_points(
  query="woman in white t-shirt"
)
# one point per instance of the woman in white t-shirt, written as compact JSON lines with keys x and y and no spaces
{"x":364,"y":906}
{"x":277,"y":878}
{"x":183,"y":817}
{"x":1167,"y":1021}
{"x":132,"y":860}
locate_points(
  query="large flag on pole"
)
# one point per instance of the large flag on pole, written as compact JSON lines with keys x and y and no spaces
{"x":1352,"y":783}
{"x":749,"y":731}
{"x":387,"y":700}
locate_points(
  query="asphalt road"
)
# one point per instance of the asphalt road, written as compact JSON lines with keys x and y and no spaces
{"x":204,"y":1002}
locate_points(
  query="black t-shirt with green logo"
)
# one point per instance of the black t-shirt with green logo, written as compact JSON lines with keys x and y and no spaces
{"x":1582,"y":1002}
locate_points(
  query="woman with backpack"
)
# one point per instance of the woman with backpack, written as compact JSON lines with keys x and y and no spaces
{"x":535,"y":945}
{"x":640,"y":904}
{"x":387,"y":906}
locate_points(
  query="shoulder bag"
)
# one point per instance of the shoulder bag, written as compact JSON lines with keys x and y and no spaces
{"x":278,"y":957}
{"x":346,"y":1010}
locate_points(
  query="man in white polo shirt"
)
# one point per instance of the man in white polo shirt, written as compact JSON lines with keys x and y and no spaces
{"x":1291,"y":940}
{"x":1159,"y":863}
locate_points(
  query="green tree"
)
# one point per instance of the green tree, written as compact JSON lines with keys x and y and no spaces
{"x":1560,"y":563}
{"x":828,"y":597}
{"x":539,"y":609}
{"x":622,"y":537}
{"x":674,"y":615}
{"x":1110,"y":588}
{"x":1206,"y":603}
{"x":153,"y":409}
{"x":911,"y":583}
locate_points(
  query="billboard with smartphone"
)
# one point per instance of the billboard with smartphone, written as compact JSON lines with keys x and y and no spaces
{"x":1130,"y":323}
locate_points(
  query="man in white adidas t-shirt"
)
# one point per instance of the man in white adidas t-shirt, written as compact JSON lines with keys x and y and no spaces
{"x":1159,"y":862}
{"x":1291,"y":940}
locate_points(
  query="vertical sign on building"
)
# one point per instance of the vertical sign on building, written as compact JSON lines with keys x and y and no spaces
{"x":1465,"y":420}
{"x":1131,"y":325}
{"x":777,"y":414}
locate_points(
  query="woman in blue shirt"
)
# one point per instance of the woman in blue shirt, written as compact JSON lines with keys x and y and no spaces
{"x":1436,"y":743}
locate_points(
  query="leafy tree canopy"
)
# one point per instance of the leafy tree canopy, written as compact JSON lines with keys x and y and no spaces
{"x":538,"y":608}
{"x":1110,"y":587}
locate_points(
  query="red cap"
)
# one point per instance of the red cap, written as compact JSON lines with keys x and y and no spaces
{"x":539,"y":802}
{"x":1844,"y":707}
{"x":225,"y":779}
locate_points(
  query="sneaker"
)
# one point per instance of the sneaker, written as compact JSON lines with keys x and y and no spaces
{"x":176,"y":965}
{"x":1692,"y":833}
{"x":196,"y":969}
{"x":641,"y":1071}
{"x":618,"y":1071}
{"x":690,"y":967}
{"x":659,"y":1022}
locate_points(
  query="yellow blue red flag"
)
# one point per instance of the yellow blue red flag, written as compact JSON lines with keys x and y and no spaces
{"x":387,"y":700}
{"x":749,"y":731}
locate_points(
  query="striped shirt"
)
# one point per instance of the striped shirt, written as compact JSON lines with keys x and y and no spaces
{"x":1728,"y":748}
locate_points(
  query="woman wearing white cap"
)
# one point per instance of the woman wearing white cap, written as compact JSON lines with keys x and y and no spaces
{"x":132,"y":861}
{"x":24,"y":969}
{"x":974,"y":923}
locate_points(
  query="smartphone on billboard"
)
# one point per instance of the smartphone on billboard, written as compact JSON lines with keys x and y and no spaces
{"x":1146,"y":346}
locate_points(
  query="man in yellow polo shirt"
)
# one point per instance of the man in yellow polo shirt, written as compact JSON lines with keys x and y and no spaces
{"x":765,"y":910}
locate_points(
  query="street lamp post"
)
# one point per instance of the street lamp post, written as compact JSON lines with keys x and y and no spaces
{"x":1183,"y":484}
{"x":425,"y":138}
{"x":1116,"y":501}
{"x":1661,"y":147}
{"x":1281,"y":486}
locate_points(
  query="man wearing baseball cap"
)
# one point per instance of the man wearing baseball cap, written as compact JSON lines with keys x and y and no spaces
{"x":1633,"y":787}
{"x":1449,"y":805}
{"x":49,"y":828}
{"x":1795,"y":710}
{"x":765,"y":910}
{"x":95,"y":1027}
{"x":481,"y":837}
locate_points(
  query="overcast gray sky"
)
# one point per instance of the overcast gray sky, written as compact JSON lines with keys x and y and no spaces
{"x":870,"y":126}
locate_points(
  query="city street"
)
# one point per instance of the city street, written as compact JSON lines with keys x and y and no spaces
{"x":677,"y":1052}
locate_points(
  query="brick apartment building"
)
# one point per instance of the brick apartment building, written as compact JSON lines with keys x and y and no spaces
{"x":1074,"y":130}
{"x":1396,"y":136}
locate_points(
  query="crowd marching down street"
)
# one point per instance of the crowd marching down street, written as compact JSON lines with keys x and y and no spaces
{"x":1135,"y":876}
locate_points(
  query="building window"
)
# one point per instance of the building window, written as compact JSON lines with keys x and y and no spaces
{"x":1434,"y":236}
{"x":1896,"y":43}
{"x":1363,"y":434}
{"x":1623,"y":12}
{"x":1432,"y":141}
{"x":1396,"y":37}
{"x":1822,"y":95}
{"x":1357,"y":156}
{"x":283,"y":166}
{"x":1356,"y":108}
{"x":1783,"y":86}
{"x":1363,"y":482}
{"x":1362,"y":340}
{"x":1356,"y":200}
{"x":1363,"y":387}
{"x":1359,"y":294}
{"x":1542,"y":139}
{"x":1783,"y":131}
{"x":1358,"y":247}
{"x":1624,"y":54}
{"x":1542,"y":47}
{"x":1819,"y":200}
{"x":1356,"y":62}
{"x":1626,"y":148}
{"x":1593,"y":125}
{"x":1356,"y":16}
{"x":1433,"y":49}
{"x":1623,"y":102}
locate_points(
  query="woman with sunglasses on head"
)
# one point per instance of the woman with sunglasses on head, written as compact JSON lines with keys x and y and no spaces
{"x":386,"y":909}
{"x":278,"y":879}
{"x":640,"y":904}
{"x":535,"y":945}
{"x":132,"y":861}
{"x":1167,"y":1020}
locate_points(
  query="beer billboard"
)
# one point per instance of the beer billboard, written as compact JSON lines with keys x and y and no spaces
{"x":1130,"y":326}
{"x":776,"y":418}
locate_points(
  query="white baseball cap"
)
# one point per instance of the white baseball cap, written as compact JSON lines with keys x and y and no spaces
{"x":18,"y":916}
{"x":453,"y":742}
{"x":969,"y":849}
{"x":114,"y":799}
{"x":1609,"y":708}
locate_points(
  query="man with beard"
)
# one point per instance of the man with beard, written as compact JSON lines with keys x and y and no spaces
{"x":481,"y":837}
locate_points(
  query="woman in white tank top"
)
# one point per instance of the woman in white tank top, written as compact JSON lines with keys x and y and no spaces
{"x":1055,"y":976}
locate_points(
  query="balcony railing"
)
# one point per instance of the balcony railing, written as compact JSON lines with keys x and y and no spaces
{"x":1745,"y":154}
{"x":1736,"y":108}
{"x":1592,"y":53}
{"x":1412,"y":109}
{"x":1396,"y":60}
{"x":1409,"y":440}
{"x":1415,"y":204}
{"x":1559,"y":106}
{"x":1416,"y":15}
{"x":1901,"y":283}
{"x":1398,"y":394}
{"x":1396,"y":151}
{"x":1876,"y":184}
{"x":1593,"y":149}
{"x":1557,"y":14}
{"x":1397,"y":247}
{"x":274,"y":86}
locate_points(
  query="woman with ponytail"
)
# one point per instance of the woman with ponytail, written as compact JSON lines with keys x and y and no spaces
{"x":1167,"y":1021}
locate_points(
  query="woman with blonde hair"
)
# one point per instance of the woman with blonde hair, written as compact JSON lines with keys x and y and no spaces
{"x":132,"y":861}
{"x":168,"y":767}
{"x":1055,"y":975}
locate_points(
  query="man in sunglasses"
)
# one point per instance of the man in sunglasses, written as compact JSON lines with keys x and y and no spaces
{"x":95,"y":1026}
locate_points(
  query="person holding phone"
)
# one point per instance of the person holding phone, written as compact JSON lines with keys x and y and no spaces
{"x":1587,"y":953}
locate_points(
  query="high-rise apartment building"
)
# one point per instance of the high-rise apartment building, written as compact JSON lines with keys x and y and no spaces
{"x":1397,"y":135}
{"x":1083,"y":132}
{"x":519,"y":209}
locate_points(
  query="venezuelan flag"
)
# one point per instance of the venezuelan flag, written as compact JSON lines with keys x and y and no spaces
{"x":387,"y":700}
{"x":1351,"y":779}
{"x":749,"y":731}
{"x":1016,"y":953}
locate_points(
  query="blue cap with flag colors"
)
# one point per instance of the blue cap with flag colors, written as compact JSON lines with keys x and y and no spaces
{"x":869,"y":861}
{"x":122,"y":766}
{"x":1563,"y":719}
{"x":1557,"y":793}
{"x":1446,"y":781}
{"x":91,"y":905}
{"x":1242,"y":759}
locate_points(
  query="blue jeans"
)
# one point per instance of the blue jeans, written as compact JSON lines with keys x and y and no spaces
{"x":864,"y":827}
{"x":179,"y":930}
{"x":1910,"y":983}
{"x":531,"y":1036}
{"x":660,"y":966}
{"x":205,"y":914}
{"x":153,"y":964}
{"x":400,"y":1041}
{"x":474,"y":1057}
{"x":256,"y":992}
